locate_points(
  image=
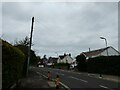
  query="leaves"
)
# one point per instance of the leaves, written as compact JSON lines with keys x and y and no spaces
{"x":12,"y":64}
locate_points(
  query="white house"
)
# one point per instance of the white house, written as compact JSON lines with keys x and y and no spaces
{"x":101,"y":52}
{"x":66,"y":58}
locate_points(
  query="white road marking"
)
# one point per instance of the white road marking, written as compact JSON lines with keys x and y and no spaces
{"x":54,"y":80}
{"x":41,"y":74}
{"x":79,"y":79}
{"x":91,"y":75}
{"x":65,"y":86}
{"x":37,"y":72}
{"x":74,"y":78}
{"x":79,"y":73}
{"x":105,"y":87}
{"x":84,"y":80}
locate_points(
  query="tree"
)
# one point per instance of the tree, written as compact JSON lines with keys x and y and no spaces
{"x":44,"y":59}
{"x":81,"y":59}
{"x":24,"y":42}
{"x":23,"y":46}
{"x":12,"y":64}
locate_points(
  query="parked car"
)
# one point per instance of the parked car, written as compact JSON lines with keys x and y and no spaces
{"x":40,"y":65}
{"x":71,"y":67}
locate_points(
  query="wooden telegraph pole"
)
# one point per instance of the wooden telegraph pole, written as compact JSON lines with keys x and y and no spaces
{"x":29,"y":47}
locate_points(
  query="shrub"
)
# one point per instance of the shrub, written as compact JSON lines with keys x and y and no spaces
{"x":12,"y":64}
{"x":104,"y":65}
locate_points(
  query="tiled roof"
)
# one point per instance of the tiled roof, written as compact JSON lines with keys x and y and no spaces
{"x":94,"y":52}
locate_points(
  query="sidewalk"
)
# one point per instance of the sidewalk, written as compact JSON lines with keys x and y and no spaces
{"x":36,"y":81}
{"x":105,"y":77}
{"x":112,"y":78}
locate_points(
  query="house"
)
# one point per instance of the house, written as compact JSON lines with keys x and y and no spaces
{"x":101,"y":52}
{"x":52,"y":60}
{"x":66,"y":58}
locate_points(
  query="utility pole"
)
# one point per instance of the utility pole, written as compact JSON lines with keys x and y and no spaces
{"x":29,"y":47}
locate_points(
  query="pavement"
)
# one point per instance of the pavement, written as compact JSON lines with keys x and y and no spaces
{"x":35,"y":80}
{"x":105,"y":77}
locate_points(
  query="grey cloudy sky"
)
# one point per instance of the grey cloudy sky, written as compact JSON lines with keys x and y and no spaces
{"x":62,"y":27}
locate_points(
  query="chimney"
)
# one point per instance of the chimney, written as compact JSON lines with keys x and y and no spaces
{"x":64,"y":54}
{"x":69,"y":54}
{"x":89,"y":49}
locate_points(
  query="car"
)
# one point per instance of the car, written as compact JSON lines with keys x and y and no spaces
{"x":71,"y":67}
{"x":40,"y":65}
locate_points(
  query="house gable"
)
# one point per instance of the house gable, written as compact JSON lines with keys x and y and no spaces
{"x":111,"y":52}
{"x":101,"y":52}
{"x":65,"y":59}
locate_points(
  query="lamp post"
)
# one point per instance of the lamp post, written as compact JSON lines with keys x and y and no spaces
{"x":105,"y":43}
{"x":106,"y":50}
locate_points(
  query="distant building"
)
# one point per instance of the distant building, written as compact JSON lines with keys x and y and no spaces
{"x":101,"y":52}
{"x":66,"y":58}
{"x":52,"y":60}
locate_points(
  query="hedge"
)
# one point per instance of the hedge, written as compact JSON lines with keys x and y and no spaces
{"x":33,"y":57}
{"x":12,"y":64}
{"x":105,"y":65}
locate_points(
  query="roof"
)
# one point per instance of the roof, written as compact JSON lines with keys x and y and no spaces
{"x":61,"y":56}
{"x":53,"y":58}
{"x":95,"y":52}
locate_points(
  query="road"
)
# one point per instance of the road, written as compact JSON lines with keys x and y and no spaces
{"x":78,"y":80}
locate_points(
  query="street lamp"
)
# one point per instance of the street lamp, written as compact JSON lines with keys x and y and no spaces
{"x":105,"y":43}
{"x":106,"y":50}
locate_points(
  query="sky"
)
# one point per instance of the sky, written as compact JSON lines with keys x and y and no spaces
{"x":61,"y":27}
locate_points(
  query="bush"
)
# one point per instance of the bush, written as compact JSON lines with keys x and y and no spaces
{"x":104,"y":65}
{"x":12,"y":64}
{"x":81,"y":59}
{"x":33,"y":57}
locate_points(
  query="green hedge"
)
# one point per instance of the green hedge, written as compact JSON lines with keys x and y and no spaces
{"x":12,"y":64}
{"x":104,"y":65}
{"x":33,"y":57}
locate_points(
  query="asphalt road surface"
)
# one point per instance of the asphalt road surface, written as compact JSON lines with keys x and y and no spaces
{"x":79,"y":80}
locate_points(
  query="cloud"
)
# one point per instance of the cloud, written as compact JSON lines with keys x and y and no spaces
{"x":62,"y":27}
